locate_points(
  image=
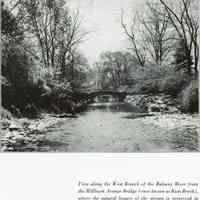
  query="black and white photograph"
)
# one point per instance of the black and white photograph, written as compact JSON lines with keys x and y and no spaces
{"x":104,"y":76}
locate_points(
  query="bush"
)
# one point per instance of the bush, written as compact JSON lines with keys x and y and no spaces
{"x":154,"y":79}
{"x":190,"y":97}
{"x":5,"y":114}
{"x":173,"y":84}
{"x":147,"y":86}
{"x":151,"y":71}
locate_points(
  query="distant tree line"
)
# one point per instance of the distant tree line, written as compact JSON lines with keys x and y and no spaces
{"x":113,"y":69}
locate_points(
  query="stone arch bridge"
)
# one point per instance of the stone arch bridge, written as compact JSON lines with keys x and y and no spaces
{"x":90,"y":95}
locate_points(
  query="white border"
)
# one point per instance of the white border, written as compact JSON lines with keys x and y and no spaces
{"x":55,"y":176}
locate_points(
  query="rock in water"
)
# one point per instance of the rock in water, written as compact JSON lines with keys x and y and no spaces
{"x":15,"y":126}
{"x":67,"y":116}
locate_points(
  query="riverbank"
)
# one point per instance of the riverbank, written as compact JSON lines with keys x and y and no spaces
{"x":24,"y":135}
{"x":27,"y":134}
{"x":177,"y":92}
{"x":161,"y":111}
{"x":165,"y":111}
{"x":174,"y":121}
{"x":160,"y":103}
{"x":185,"y":129}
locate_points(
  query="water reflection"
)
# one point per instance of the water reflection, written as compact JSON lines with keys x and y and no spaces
{"x":114,"y":107}
{"x":105,"y":99}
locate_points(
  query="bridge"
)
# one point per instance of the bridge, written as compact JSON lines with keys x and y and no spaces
{"x":91,"y":94}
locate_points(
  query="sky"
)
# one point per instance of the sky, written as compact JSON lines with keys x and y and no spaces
{"x":102,"y":19}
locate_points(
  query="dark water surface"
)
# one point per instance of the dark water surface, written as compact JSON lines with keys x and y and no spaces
{"x":116,"y":127}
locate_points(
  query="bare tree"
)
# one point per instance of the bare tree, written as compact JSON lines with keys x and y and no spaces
{"x":186,"y":27}
{"x":156,"y":33}
{"x":138,"y":47}
{"x":70,"y":37}
{"x":114,"y":68}
{"x":56,"y":30}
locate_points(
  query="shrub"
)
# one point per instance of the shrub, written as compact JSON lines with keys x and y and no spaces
{"x":173,"y":84}
{"x":155,"y":79}
{"x":5,"y":114}
{"x":149,"y":86}
{"x":190,"y":96}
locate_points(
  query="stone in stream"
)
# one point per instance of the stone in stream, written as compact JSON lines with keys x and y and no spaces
{"x":65,"y":115}
{"x":25,"y":123}
{"x":154,"y":108}
{"x":5,"y":124}
{"x":173,"y":109}
{"x":37,"y":128}
{"x":15,"y":126}
{"x":33,"y":127}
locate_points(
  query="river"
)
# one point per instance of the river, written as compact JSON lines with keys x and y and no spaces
{"x":112,"y":127}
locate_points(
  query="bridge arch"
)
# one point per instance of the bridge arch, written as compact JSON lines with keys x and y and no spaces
{"x":116,"y":94}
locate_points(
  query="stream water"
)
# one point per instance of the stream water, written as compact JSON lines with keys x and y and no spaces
{"x":112,"y":127}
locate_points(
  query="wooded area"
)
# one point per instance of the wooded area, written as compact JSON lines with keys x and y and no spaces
{"x":40,"y":60}
{"x":42,"y":66}
{"x":140,"y":98}
{"x":163,"y":54}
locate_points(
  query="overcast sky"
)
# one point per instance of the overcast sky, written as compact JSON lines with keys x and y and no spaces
{"x":102,"y":18}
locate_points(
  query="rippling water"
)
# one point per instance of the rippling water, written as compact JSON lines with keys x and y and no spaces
{"x":108,"y":127}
